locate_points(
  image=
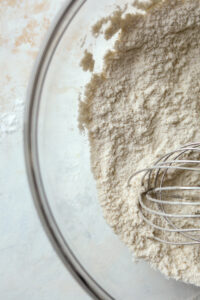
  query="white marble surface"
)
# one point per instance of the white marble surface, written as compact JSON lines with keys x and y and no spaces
{"x":29,"y":268}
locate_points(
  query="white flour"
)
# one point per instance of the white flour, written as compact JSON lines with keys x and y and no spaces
{"x":11,"y":121}
{"x":145,"y":103}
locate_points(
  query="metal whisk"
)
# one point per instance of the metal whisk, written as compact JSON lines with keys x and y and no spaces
{"x":158,"y":195}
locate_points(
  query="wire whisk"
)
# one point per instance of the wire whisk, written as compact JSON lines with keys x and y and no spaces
{"x":160,"y":196}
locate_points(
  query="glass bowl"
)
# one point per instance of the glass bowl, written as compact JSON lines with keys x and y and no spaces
{"x":58,"y":167}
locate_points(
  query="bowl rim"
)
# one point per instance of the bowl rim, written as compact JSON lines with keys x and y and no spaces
{"x":33,"y":99}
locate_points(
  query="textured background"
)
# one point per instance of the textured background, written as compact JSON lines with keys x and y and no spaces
{"x":29,"y":268}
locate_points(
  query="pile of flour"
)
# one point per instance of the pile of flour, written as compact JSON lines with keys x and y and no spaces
{"x":144,"y":103}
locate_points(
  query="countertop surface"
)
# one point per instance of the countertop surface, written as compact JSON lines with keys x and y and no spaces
{"x":29,"y":267}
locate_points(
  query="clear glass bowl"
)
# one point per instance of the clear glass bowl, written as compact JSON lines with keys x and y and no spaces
{"x":58,"y":167}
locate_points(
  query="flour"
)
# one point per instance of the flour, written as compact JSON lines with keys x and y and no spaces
{"x":87,"y":62}
{"x":11,"y":121}
{"x":144,"y":104}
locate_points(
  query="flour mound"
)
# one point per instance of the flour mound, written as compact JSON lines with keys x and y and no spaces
{"x":145,"y":103}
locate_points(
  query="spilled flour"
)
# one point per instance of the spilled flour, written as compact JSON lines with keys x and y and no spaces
{"x":144,"y":104}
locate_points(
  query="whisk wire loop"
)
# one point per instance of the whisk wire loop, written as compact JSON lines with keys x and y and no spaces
{"x":157,"y":195}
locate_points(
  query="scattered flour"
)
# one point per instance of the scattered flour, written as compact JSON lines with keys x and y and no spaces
{"x":11,"y":121}
{"x":87,"y":62}
{"x":144,"y":104}
{"x":19,"y":45}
